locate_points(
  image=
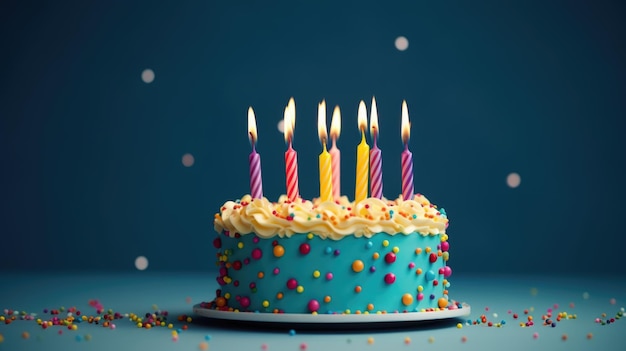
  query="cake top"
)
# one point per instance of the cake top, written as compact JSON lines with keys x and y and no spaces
{"x":330,"y":219}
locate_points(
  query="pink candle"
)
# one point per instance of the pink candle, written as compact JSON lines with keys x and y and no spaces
{"x":407,"y":157}
{"x":376,"y":160}
{"x":335,"y":154}
{"x":291,"y":157}
{"x":256,"y":183}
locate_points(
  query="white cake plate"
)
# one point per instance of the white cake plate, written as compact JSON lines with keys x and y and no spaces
{"x":318,"y":320}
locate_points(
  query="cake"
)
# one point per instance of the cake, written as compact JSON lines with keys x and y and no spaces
{"x":331,"y":255}
{"x":376,"y":256}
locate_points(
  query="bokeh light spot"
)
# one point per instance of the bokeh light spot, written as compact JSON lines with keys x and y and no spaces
{"x":141,"y":263}
{"x":513,"y":180}
{"x":402,"y":43}
{"x":147,"y":76}
{"x":188,"y":160}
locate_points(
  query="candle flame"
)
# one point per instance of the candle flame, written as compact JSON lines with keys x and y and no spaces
{"x":252,"y":126}
{"x":292,"y":110}
{"x":406,"y":125}
{"x":374,"y":119}
{"x":335,"y":124}
{"x":321,"y":122}
{"x":287,"y":124}
{"x":362,"y":116}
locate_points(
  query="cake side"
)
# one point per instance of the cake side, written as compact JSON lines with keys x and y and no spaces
{"x":309,"y":274}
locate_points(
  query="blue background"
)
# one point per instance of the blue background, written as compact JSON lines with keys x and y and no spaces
{"x":91,"y":171}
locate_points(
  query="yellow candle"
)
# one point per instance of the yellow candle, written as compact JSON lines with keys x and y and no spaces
{"x":362,"y":158}
{"x":326,"y":178}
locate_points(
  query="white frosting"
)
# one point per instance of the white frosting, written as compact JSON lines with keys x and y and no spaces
{"x":330,"y":219}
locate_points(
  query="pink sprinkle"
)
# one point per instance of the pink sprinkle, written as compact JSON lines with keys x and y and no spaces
{"x":535,"y":335}
{"x":329,"y":276}
{"x":264,"y":347}
{"x":303,"y":346}
{"x":612,"y":301}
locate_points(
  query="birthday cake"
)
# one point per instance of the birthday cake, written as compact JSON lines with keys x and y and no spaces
{"x":331,"y":255}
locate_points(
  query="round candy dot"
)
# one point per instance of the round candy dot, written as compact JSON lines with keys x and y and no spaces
{"x":300,"y":289}
{"x":407,"y":299}
{"x":237,"y":265}
{"x":217,"y":242}
{"x":395,"y":249}
{"x":220,"y":301}
{"x":358,"y":289}
{"x":292,"y":332}
{"x":390,"y":278}
{"x":357,"y":265}
{"x":266,"y":303}
{"x":372,"y":269}
{"x":411,"y":265}
{"x":309,"y":236}
{"x":279,"y":251}
{"x":420,"y":288}
{"x":305,"y":248}
{"x":327,"y":299}
{"x":337,"y":252}
{"x":445,"y":246}
{"x":432,"y":258}
{"x":370,"y":306}
{"x":385,"y":243}
{"x":292,"y":283}
{"x":240,"y":245}
{"x":313,"y":305}
{"x":390,"y":257}
{"x":442,"y":302}
{"x":316,"y":274}
{"x":369,"y":245}
{"x":244,"y":302}
{"x":329,"y":276}
{"x":430,"y":275}
{"x":459,"y":325}
{"x":447,"y":271}
{"x":257,"y":253}
{"x":255,"y":240}
{"x":260,"y":275}
{"x":279,"y":296}
{"x":328,"y":250}
{"x":276,"y":270}
{"x":370,"y":340}
{"x":375,"y":255}
{"x":420,"y":297}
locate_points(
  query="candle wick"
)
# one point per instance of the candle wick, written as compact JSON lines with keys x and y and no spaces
{"x":406,"y":146}
{"x":324,"y":144}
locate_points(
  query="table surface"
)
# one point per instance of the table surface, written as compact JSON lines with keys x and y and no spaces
{"x":498,"y":298}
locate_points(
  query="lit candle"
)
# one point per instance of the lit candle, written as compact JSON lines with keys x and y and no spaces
{"x":362,"y":157}
{"x":376,"y":160}
{"x":326,"y":178}
{"x":291,"y":157}
{"x":256,"y":183}
{"x":407,"y":157}
{"x":335,"y":155}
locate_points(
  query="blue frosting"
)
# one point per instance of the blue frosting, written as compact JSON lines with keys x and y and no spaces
{"x":253,"y":283}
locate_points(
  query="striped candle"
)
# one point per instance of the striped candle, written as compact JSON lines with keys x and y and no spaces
{"x":362,"y":158}
{"x":256,"y":183}
{"x":335,"y":154}
{"x":291,"y":157}
{"x":376,"y":160}
{"x":407,"y":157}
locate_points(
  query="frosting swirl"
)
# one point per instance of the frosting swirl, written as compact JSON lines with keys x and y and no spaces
{"x":330,"y":219}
